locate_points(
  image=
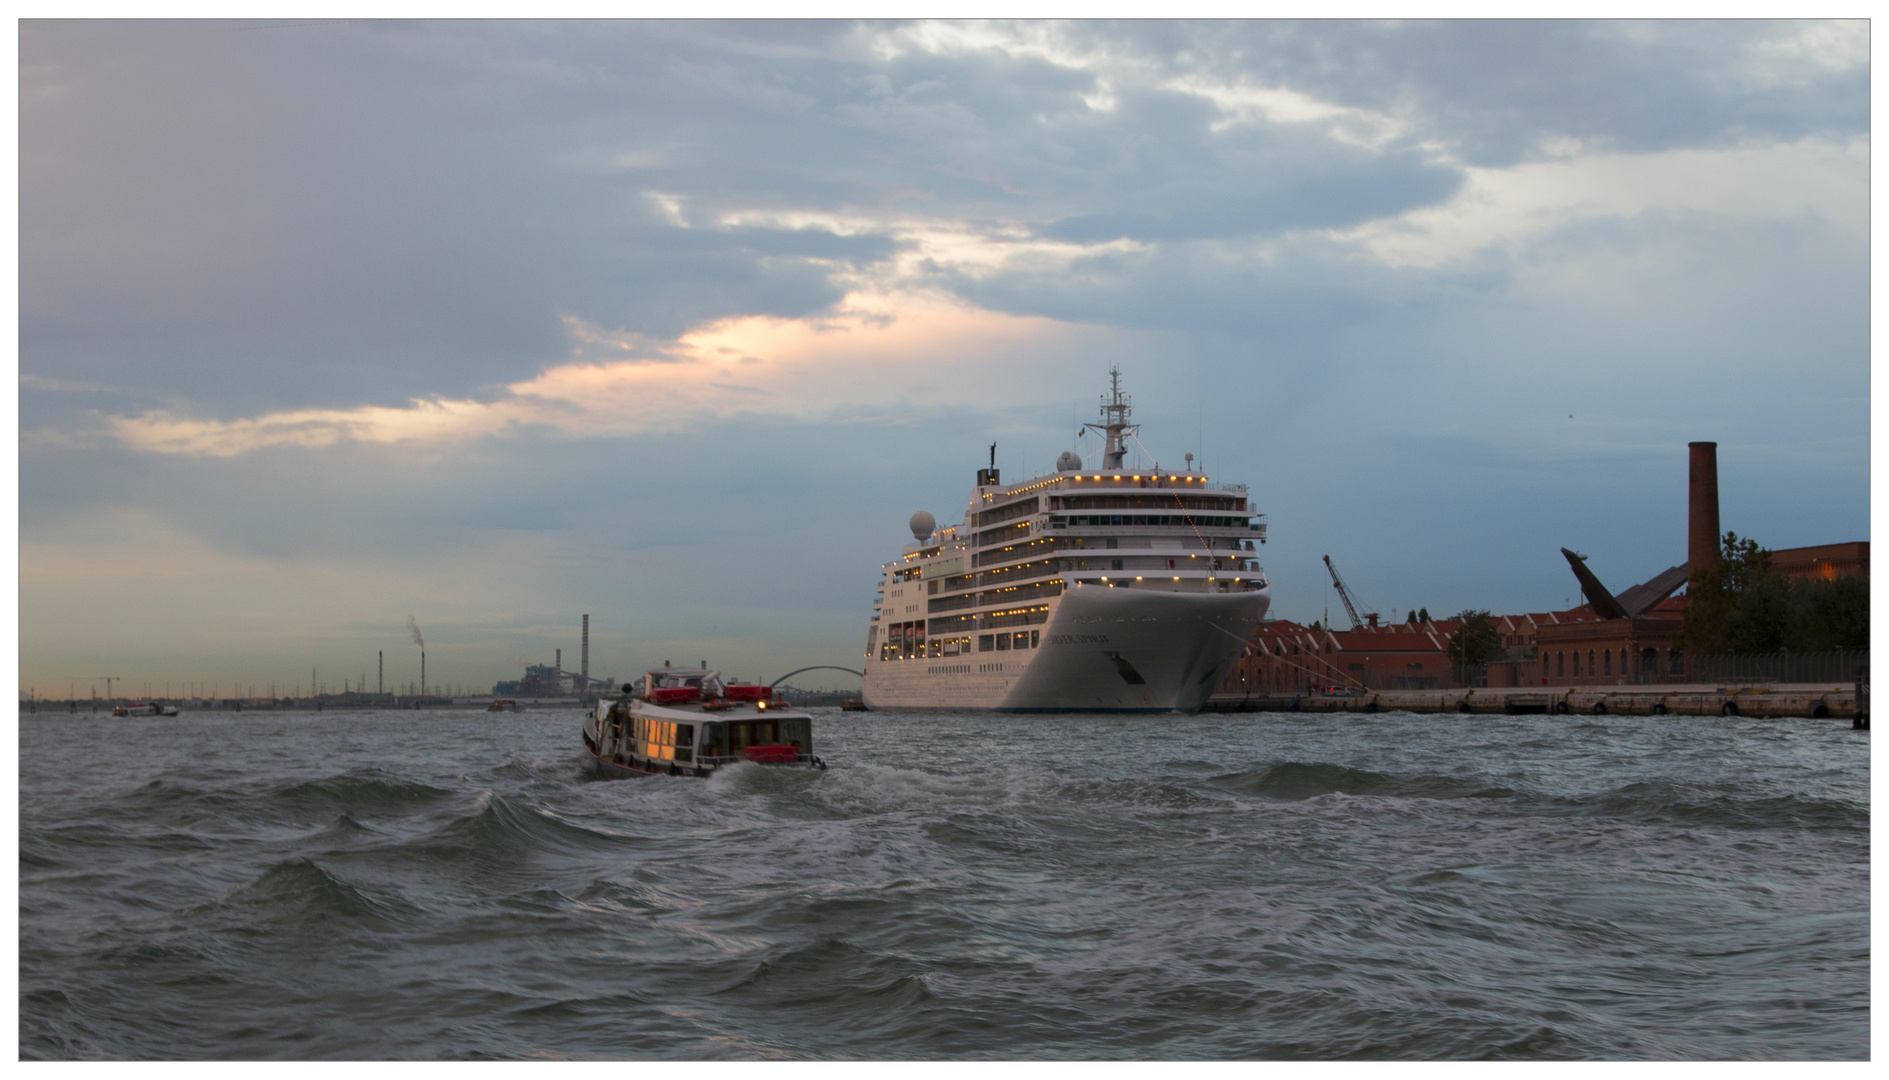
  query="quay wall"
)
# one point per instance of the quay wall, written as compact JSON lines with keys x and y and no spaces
{"x":1810,"y":701}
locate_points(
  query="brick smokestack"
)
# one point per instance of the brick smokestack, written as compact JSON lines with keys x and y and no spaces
{"x":585,"y":670}
{"x":1702,"y":514}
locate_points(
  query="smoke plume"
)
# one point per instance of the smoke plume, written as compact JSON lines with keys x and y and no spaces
{"x":415,"y":628}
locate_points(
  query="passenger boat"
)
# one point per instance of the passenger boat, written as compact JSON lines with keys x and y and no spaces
{"x":1092,"y":588}
{"x":503,"y":704}
{"x":687,"y":722}
{"x":144,"y":708}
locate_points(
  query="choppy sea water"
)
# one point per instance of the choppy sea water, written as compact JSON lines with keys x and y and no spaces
{"x":451,"y":885}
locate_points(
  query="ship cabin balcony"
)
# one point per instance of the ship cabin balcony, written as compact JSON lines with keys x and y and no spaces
{"x":1094,"y":537}
{"x":1233,"y":523}
{"x":1051,"y":578}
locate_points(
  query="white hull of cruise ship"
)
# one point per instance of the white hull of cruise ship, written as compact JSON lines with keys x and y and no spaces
{"x":1093,"y":588}
{"x":1103,"y":650}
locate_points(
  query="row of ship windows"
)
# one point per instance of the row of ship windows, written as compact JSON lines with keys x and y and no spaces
{"x":910,"y":648}
{"x":1151,"y":519}
{"x":1057,"y":566}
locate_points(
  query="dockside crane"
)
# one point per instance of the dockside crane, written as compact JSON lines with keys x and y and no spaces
{"x":1345,"y":595}
{"x":109,"y":679}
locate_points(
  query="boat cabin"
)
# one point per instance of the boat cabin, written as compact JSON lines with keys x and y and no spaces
{"x":688,"y":720}
{"x":776,"y":739}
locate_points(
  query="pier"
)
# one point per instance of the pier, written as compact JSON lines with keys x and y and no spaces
{"x":1805,"y":700}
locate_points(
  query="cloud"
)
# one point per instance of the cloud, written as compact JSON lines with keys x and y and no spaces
{"x":47,"y":385}
{"x":1810,"y":180}
{"x":876,"y":350}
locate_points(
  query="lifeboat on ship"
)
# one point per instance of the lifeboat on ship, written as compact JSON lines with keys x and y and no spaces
{"x":687,"y":722}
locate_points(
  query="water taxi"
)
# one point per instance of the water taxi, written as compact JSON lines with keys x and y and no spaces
{"x":144,"y":708}
{"x":503,"y":704}
{"x":687,"y":722}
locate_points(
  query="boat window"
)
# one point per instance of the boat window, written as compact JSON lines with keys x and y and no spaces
{"x":1022,"y":640}
{"x":692,"y":682}
{"x":951,"y":646}
{"x":983,"y":643}
{"x":685,"y":734}
{"x":1003,"y":642}
{"x":1036,"y":636}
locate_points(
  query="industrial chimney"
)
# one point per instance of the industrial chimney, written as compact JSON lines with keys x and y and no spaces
{"x":1702,"y":513}
{"x":586,"y":668}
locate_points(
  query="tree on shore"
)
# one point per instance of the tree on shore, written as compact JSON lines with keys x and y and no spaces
{"x":1476,"y":641}
{"x":1742,"y":605}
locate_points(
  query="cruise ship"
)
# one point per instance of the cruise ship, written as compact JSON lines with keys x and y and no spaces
{"x":1103,"y":589}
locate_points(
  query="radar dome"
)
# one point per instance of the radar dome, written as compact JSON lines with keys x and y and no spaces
{"x":923,"y":524}
{"x":1068,"y":461}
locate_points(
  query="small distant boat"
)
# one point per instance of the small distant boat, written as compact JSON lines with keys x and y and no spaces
{"x":852,"y":704}
{"x":687,"y":722}
{"x":503,"y":704}
{"x":144,"y":708}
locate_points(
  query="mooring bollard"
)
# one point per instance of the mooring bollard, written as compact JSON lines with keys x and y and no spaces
{"x":1860,"y":721}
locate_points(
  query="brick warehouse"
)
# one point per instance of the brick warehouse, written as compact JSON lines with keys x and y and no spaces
{"x":1288,"y":658}
{"x":1607,"y":641}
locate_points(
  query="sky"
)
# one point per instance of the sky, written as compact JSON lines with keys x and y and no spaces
{"x":329,"y":324}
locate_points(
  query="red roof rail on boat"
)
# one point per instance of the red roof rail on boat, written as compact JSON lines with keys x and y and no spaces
{"x":744,"y":692}
{"x":664,"y":695}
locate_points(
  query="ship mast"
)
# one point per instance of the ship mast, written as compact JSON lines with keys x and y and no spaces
{"x":1115,"y":410}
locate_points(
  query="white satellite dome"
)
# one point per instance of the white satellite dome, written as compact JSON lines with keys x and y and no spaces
{"x":1068,"y":461}
{"x":923,"y":525}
